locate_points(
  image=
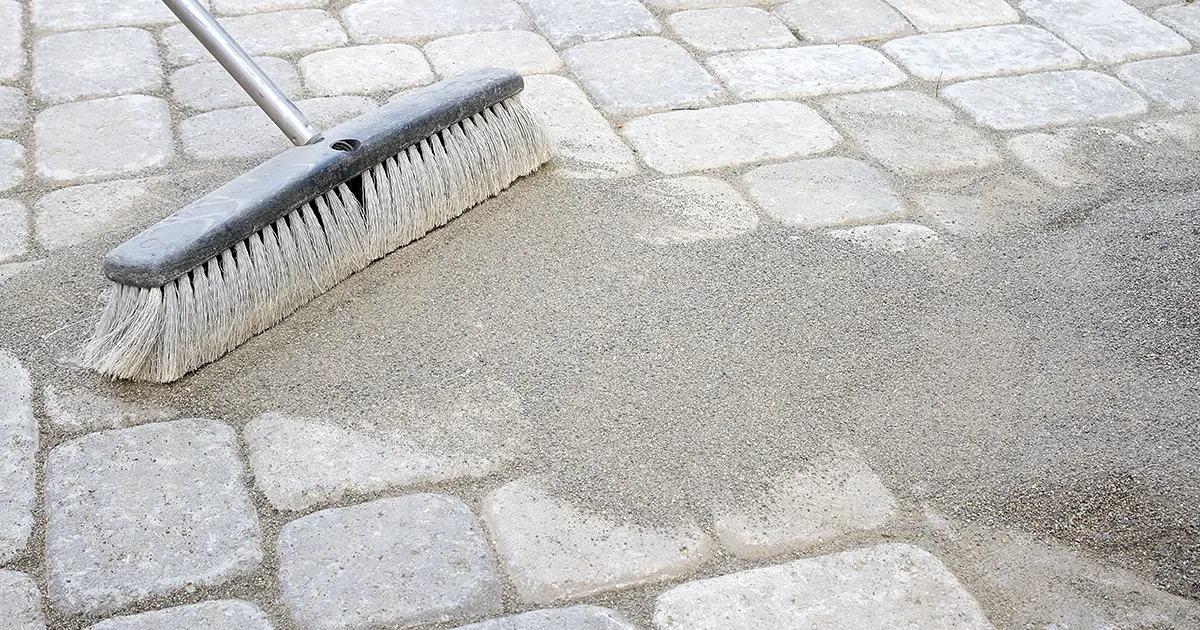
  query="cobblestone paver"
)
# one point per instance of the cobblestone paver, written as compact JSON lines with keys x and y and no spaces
{"x":373,"y":21}
{"x":14,"y":230}
{"x":573,"y":618}
{"x":365,"y":69}
{"x":1107,"y":31}
{"x":77,"y":411}
{"x":736,"y":28}
{"x":567,"y":22}
{"x":12,"y":164}
{"x":219,"y":615}
{"x":982,"y":52}
{"x":12,"y":53}
{"x":643,"y":74}
{"x":585,"y":145}
{"x":247,"y":132}
{"x":804,"y":72}
{"x":279,"y":33}
{"x":13,"y":109}
{"x":206,"y":86}
{"x":21,"y":604}
{"x":1048,"y":99}
{"x":1173,"y":82}
{"x":947,"y":15}
{"x":103,"y":138}
{"x":525,"y":52}
{"x":833,"y":21}
{"x":18,"y":444}
{"x":73,"y":215}
{"x":1184,"y":18}
{"x":820,"y":192}
{"x":60,"y":15}
{"x":106,"y":62}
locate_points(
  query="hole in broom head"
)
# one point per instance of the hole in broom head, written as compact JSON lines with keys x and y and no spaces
{"x":347,"y":145}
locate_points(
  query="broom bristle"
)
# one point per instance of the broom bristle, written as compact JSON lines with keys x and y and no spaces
{"x":159,"y":334}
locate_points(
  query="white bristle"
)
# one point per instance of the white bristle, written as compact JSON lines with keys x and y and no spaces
{"x":161,"y":333}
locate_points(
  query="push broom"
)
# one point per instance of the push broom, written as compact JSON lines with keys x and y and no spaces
{"x":243,"y":257}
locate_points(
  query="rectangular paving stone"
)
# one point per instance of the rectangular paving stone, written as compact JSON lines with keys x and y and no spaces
{"x":12,"y":164}
{"x":77,"y":410}
{"x":805,"y":71}
{"x":573,"y":618}
{"x":21,"y":603}
{"x":569,"y":22}
{"x":12,"y":50}
{"x":1054,"y":157}
{"x":822,"y":192}
{"x":243,"y":7}
{"x":522,"y":51}
{"x":950,"y":15}
{"x":229,"y":614}
{"x":18,"y":445}
{"x":14,"y":230}
{"x":76,"y":214}
{"x":103,"y":138}
{"x":1106,"y":31}
{"x":585,"y":145}
{"x":1184,"y":18}
{"x":246,"y":132}
{"x":641,"y":74}
{"x":106,"y":62}
{"x":67,"y":15}
{"x":690,"y":210}
{"x":206,"y":86}
{"x":735,"y":28}
{"x":982,"y":52}
{"x":682,"y":142}
{"x":1173,"y":81}
{"x":365,"y":69}
{"x":1046,"y":99}
{"x":374,"y":21}
{"x":832,"y":21}
{"x":14,"y":110}
{"x":279,"y":33}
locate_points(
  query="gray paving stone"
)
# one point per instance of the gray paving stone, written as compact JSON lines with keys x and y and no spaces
{"x":1046,"y":99}
{"x":206,"y":86}
{"x":14,"y":230}
{"x":681,"y":142}
{"x":18,"y":445}
{"x":982,"y":52}
{"x":403,"y":561}
{"x":1184,"y":18}
{"x":832,"y":21}
{"x":85,"y":64}
{"x":76,"y":410}
{"x":12,"y":51}
{"x":911,"y":133}
{"x":279,"y":33}
{"x":229,"y":614}
{"x":804,"y":72}
{"x":525,"y":52}
{"x":146,"y":512}
{"x":102,"y":138}
{"x":243,"y":7}
{"x":1106,"y":31}
{"x":1173,"y":81}
{"x":12,"y":164}
{"x":246,"y":132}
{"x":950,"y":15}
{"x":553,"y":551}
{"x":999,"y":204}
{"x":889,"y":237}
{"x":573,"y":618}
{"x":13,"y":110}
{"x":693,"y":209}
{"x":675,"y":5}
{"x":67,"y":15}
{"x":641,"y":74}
{"x":585,"y":146}
{"x":416,"y":20}
{"x":822,"y":192}
{"x":21,"y":604}
{"x":735,"y":28}
{"x":569,"y":22}
{"x":77,"y":214}
{"x":1054,"y":157}
{"x":1175,"y":130}
{"x":887,"y":586}
{"x":365,"y":69}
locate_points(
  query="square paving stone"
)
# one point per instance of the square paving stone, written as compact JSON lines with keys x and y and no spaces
{"x":246,"y":132}
{"x":14,"y":230}
{"x":821,"y":192}
{"x":146,"y":512}
{"x":12,"y":52}
{"x":570,"y":22}
{"x":736,"y":28}
{"x":522,"y":51}
{"x":206,"y":86}
{"x":102,"y":138}
{"x":106,"y":62}
{"x":1047,"y":99}
{"x":403,"y":561}
{"x":950,"y":15}
{"x":365,"y":69}
{"x":76,"y":214}
{"x":1106,"y":31}
{"x":832,"y":21}
{"x":21,"y":603}
{"x":278,"y":33}
{"x":573,"y":618}
{"x":585,"y":145}
{"x":1055,"y":158}
{"x":982,"y":52}
{"x":14,"y":110}
{"x":229,"y":614}
{"x":805,"y":71}
{"x":1173,"y":81}
{"x":415,"y":20}
{"x":12,"y":164}
{"x":18,"y":444}
{"x":69,"y":15}
{"x":682,"y":142}
{"x":641,"y":74}
{"x":77,"y":410}
{"x":1184,"y":18}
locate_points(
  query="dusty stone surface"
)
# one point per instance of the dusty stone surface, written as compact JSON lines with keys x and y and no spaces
{"x":8,"y":271}
{"x":103,"y":138}
{"x":242,"y":7}
{"x":12,"y":53}
{"x":76,"y":410}
{"x":1184,"y":18}
{"x":585,"y":145}
{"x":641,"y":74}
{"x":76,"y":214}
{"x":401,"y":562}
{"x":735,"y":28}
{"x":982,"y":52}
{"x":804,"y":72}
{"x":949,"y":15}
{"x":206,"y":86}
{"x":279,"y":33}
{"x":1106,"y":31}
{"x":1004,"y":204}
{"x":18,"y":444}
{"x":681,"y":142}
{"x":573,"y":618}
{"x":554,"y":552}
{"x":21,"y":603}
{"x":1047,"y":99}
{"x":1050,"y":155}
{"x":13,"y":110}
{"x":112,"y":538}
{"x":365,"y":69}
{"x":14,"y":230}
{"x":86,"y":64}
{"x":823,"y":191}
{"x":247,"y":132}
{"x":229,"y":614}
{"x":693,"y":209}
{"x":566,"y":22}
{"x":832,"y":21}
{"x":889,"y":237}
{"x":12,"y":164}
{"x":65,"y":15}
{"x":374,"y":21}
{"x":525,"y":52}
{"x":1173,"y":82}
{"x":675,"y":5}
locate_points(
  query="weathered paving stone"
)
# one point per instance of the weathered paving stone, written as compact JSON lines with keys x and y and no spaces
{"x":821,"y":192}
{"x":911,"y":133}
{"x":246,"y":132}
{"x":585,"y":146}
{"x":641,"y":74}
{"x":13,"y":110}
{"x":398,"y":562}
{"x":573,"y":618}
{"x":279,"y":33}
{"x":1176,"y":130}
{"x":14,"y":230}
{"x":982,"y":52}
{"x":832,"y":21}
{"x":12,"y":52}
{"x":681,"y":142}
{"x":568,"y":22}
{"x":1184,"y":18}
{"x":73,"y":215}
{"x":206,"y":86}
{"x":736,"y":28}
{"x":525,"y":52}
{"x":886,"y":586}
{"x":243,"y":7}
{"x":21,"y":604}
{"x":1047,"y":99}
{"x":889,"y":237}
{"x":1106,"y":31}
{"x":949,"y":15}
{"x":805,"y":71}
{"x":998,"y":204}
{"x":76,"y":410}
{"x":555,"y":552}
{"x":85,"y":64}
{"x":838,"y":494}
{"x":146,"y":512}
{"x":413,"y":20}
{"x":1054,"y":157}
{"x":1174,"y":81}
{"x":103,"y":138}
{"x":12,"y":164}
{"x":229,"y":614}
{"x":675,"y":5}
{"x":365,"y":69}
{"x":66,"y":15}
{"x":18,"y":444}
{"x":693,"y":209}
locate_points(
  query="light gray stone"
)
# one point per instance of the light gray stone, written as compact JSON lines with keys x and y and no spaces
{"x":569,"y":22}
{"x":73,"y":215}
{"x":229,"y":614}
{"x":1001,"y":204}
{"x":522,"y":51}
{"x":86,"y":64}
{"x":416,"y":20}
{"x":889,"y":237}
{"x":69,"y":15}
{"x":145,"y":512}
{"x":982,"y":52}
{"x":18,"y":445}
{"x":804,"y":72}
{"x":554,"y":552}
{"x":365,"y":69}
{"x":950,"y":15}
{"x":13,"y":110}
{"x":585,"y":146}
{"x":21,"y":604}
{"x":821,"y":192}
{"x":12,"y":50}
{"x":206,"y":86}
{"x":14,"y":230}
{"x":641,"y":74}
{"x":832,"y":21}
{"x":1047,"y":99}
{"x":681,"y":142}
{"x":246,"y":132}
{"x":1106,"y":31}
{"x":573,"y":618}
{"x":1062,"y":157}
{"x":243,"y":7}
{"x":403,"y":561}
{"x":8,"y":272}
{"x":693,"y":209}
{"x":76,"y":410}
{"x":1173,"y":82}
{"x":887,"y":586}
{"x":736,"y":28}
{"x":279,"y":33}
{"x":675,"y":5}
{"x":103,"y":138}
{"x":911,"y":133}
{"x":1175,"y":130}
{"x":1184,"y":18}
{"x":12,"y":164}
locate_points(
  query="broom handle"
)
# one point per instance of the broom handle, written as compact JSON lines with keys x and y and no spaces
{"x":241,"y":67}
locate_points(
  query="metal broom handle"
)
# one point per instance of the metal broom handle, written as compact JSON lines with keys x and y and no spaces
{"x":241,"y":67}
